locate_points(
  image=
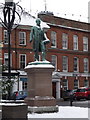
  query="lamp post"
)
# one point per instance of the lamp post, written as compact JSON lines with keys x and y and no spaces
{"x":10,"y":11}
{"x":8,"y":22}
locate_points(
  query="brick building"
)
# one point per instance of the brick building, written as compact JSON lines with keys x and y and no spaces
{"x":68,"y":51}
{"x":21,"y":49}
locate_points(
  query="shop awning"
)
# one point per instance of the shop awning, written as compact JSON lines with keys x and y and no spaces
{"x":13,"y":73}
{"x":23,"y":79}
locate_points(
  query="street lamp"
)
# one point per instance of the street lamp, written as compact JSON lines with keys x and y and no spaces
{"x":9,"y":2}
{"x":8,"y":22}
{"x":10,"y":11}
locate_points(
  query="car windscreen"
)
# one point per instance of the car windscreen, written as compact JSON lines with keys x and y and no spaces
{"x":88,"y":89}
{"x":78,"y":90}
{"x":82,"y":90}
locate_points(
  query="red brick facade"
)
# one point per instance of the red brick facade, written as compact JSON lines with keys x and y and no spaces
{"x":60,"y":26}
{"x":70,"y":27}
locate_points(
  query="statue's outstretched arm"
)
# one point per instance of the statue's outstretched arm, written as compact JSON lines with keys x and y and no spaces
{"x":46,"y":41}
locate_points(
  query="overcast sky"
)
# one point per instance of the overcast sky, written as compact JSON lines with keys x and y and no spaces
{"x":74,"y":9}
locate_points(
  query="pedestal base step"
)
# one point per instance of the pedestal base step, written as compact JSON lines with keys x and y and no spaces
{"x":43,"y":109}
{"x":40,"y":101}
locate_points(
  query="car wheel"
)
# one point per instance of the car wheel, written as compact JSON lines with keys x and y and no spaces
{"x":65,"y":99}
{"x":78,"y":99}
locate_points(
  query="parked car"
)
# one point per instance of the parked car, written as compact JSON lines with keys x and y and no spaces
{"x":66,"y":95}
{"x":72,"y":93}
{"x":19,"y":95}
{"x":82,"y":93}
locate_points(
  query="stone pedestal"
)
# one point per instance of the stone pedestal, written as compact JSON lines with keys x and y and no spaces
{"x":40,"y":85}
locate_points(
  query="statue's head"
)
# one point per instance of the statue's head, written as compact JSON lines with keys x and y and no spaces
{"x":38,"y":21}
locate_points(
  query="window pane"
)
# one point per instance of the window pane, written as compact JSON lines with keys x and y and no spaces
{"x":85,"y":64}
{"x":76,"y":64}
{"x":22,"y":38}
{"x":65,"y":63}
{"x":24,"y":86}
{"x":64,"y":41}
{"x":75,"y":42}
{"x":65,"y":84}
{"x":53,"y":39}
{"x":5,"y":37}
{"x":85,"y":43}
{"x":22,"y":61}
{"x":6,"y":59}
{"x":54,"y":61}
{"x":86,"y":83}
{"x":75,"y":84}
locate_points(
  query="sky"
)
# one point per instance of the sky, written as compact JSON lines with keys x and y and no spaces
{"x":73,"y":9}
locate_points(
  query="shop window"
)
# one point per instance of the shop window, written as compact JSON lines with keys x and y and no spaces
{"x":65,"y":84}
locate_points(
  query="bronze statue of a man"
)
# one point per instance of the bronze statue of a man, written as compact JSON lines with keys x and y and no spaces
{"x":39,"y":39}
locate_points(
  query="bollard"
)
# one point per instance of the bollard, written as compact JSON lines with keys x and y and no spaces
{"x":71,"y":100}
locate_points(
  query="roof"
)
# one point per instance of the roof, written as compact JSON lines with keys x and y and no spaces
{"x":28,"y":19}
{"x":63,"y":22}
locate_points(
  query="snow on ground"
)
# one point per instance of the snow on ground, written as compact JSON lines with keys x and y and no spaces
{"x":64,"y":112}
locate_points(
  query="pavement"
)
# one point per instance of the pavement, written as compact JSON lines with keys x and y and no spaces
{"x":61,"y":102}
{"x":81,"y":103}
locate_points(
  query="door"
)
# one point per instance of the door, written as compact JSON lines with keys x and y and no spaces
{"x":54,"y":89}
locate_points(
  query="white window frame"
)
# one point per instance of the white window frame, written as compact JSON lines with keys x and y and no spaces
{"x":85,"y":43}
{"x":64,"y":41}
{"x":5,"y":37}
{"x":22,"y":38}
{"x":54,"y":61}
{"x":86,"y":84}
{"x":24,"y":85}
{"x":76,"y":65}
{"x":86,"y":64}
{"x":75,"y":42}
{"x":65,"y":63}
{"x":53,"y":39}
{"x":75,"y":87}
{"x":20,"y":61}
{"x":6,"y":57}
{"x":65,"y":86}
